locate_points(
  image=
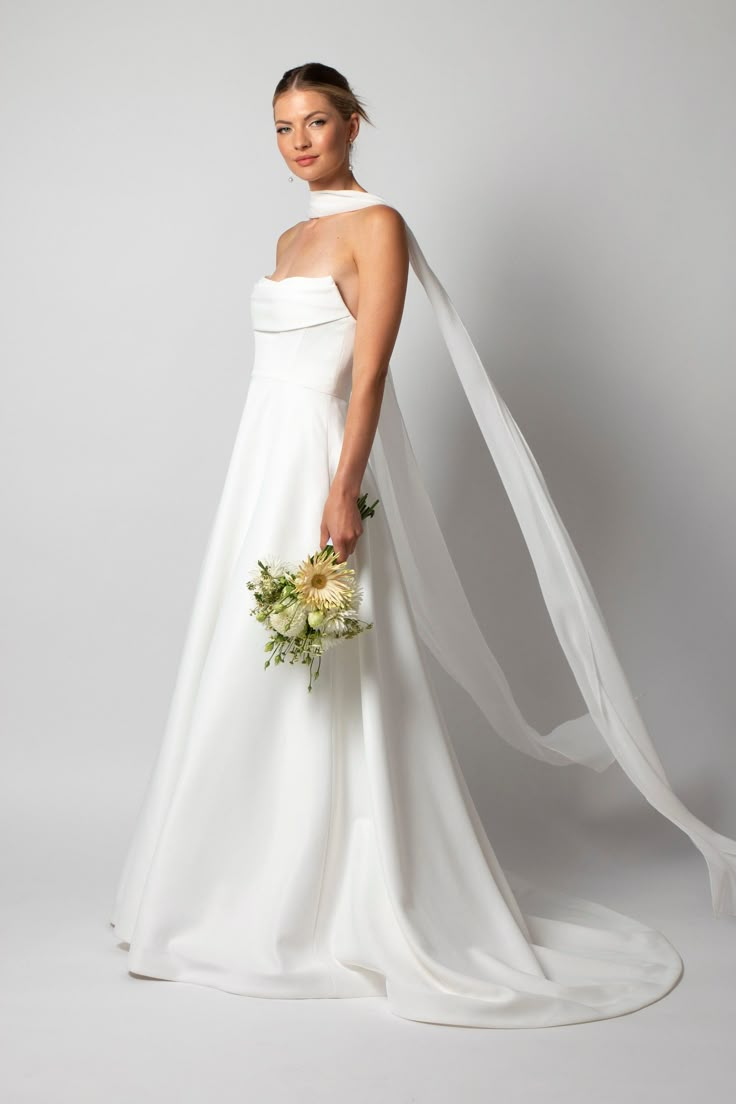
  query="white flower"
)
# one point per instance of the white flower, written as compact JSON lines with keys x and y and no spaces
{"x":336,"y":622}
{"x":290,"y":622}
{"x":275,"y":565}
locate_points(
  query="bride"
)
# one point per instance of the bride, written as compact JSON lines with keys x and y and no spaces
{"x":326,"y":844}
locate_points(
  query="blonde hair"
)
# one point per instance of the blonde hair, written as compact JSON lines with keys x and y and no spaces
{"x":323,"y":78}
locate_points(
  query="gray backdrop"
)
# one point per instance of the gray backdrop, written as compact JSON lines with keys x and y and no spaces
{"x":569,"y":171}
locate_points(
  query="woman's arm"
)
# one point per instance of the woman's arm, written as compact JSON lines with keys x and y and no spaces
{"x":382,"y":257}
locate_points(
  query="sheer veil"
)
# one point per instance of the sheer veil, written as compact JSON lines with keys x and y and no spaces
{"x":613,"y":728}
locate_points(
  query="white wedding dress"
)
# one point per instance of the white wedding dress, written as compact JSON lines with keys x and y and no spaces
{"x":325,"y":844}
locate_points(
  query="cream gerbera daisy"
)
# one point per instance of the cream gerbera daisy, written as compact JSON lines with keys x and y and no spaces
{"x":322,"y":583}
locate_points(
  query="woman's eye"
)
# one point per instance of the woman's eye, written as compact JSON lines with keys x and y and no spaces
{"x":280,"y":130}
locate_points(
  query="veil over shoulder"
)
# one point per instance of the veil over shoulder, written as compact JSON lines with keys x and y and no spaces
{"x":613,"y":728}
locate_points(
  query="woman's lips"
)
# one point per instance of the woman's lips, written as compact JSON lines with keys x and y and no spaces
{"x":305,"y":160}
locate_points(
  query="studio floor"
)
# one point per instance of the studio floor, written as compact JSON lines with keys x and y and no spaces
{"x":78,"y":1028}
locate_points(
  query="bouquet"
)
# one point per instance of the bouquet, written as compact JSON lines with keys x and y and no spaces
{"x":309,"y":608}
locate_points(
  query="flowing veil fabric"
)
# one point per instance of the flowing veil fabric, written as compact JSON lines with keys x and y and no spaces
{"x":613,"y":728}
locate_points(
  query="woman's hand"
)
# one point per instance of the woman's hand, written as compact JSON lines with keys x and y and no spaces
{"x":341,"y":520}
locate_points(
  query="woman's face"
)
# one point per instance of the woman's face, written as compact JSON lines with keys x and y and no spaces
{"x":308,"y":126}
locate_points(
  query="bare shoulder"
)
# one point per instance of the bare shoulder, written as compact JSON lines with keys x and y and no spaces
{"x":387,"y":222}
{"x":288,"y":234}
{"x":381,"y":238}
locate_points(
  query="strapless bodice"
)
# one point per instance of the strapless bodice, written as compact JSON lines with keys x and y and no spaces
{"x":304,"y":333}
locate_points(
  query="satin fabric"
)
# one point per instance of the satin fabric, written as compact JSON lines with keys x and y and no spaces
{"x":326,"y":844}
{"x":613,"y":728}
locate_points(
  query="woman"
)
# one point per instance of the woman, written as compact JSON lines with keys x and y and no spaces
{"x":326,"y":845}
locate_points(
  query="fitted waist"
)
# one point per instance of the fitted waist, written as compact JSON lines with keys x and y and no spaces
{"x":317,"y":357}
{"x":339,"y":389}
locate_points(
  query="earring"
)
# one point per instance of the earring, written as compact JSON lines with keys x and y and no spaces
{"x":350,"y":155}
{"x":291,"y":179}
